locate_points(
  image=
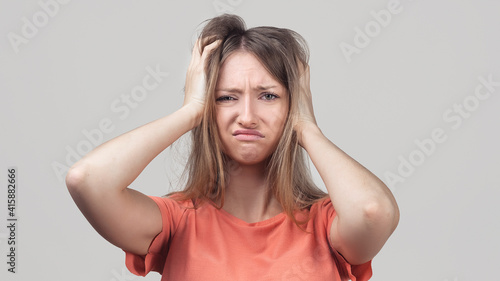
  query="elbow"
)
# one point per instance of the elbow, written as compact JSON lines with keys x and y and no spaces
{"x":382,"y":214}
{"x":382,"y":210}
{"x":75,"y":179}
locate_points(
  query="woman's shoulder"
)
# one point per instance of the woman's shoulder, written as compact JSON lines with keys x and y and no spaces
{"x":173,"y":202}
{"x":320,"y":211}
{"x":180,"y":200}
{"x":321,"y":204}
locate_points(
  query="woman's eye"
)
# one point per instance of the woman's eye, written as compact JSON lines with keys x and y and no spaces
{"x":269,"y":96}
{"x":224,"y":98}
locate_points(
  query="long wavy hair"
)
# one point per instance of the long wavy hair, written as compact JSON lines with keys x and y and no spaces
{"x":280,"y":51}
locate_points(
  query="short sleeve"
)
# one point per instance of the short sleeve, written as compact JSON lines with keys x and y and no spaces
{"x":361,"y":272}
{"x":155,"y":259}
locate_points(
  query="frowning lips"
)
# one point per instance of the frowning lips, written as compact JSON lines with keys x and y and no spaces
{"x":248,"y":135}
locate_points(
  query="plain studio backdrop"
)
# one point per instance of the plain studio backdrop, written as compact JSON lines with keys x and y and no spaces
{"x":411,"y":89}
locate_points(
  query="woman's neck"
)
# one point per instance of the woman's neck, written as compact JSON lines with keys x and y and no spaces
{"x":247,"y":194}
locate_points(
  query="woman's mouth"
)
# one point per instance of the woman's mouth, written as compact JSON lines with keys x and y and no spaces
{"x":248,"y":135}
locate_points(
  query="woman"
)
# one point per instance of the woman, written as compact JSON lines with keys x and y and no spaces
{"x":250,"y":210}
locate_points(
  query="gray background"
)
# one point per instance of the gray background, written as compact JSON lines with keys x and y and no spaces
{"x":393,"y":93}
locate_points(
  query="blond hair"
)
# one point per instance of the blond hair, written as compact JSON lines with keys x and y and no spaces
{"x":280,"y":51}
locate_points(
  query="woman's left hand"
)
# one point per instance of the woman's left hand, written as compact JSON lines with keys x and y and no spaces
{"x":305,"y":115}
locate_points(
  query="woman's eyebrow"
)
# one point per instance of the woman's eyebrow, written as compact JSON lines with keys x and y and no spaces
{"x":263,"y":88}
{"x":229,"y":90}
{"x":237,"y":90}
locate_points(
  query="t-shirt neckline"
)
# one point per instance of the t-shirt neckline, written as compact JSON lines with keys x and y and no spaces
{"x":277,"y":218}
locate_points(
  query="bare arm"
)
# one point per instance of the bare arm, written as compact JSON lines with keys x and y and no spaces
{"x":367,"y":212}
{"x":99,"y":182}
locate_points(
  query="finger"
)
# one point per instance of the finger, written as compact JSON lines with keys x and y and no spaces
{"x":209,"y":48}
{"x":198,"y":55}
{"x":199,"y":43}
{"x":195,"y":54}
{"x":196,"y":48}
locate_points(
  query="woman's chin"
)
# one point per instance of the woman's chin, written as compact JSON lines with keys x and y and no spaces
{"x":247,"y":160}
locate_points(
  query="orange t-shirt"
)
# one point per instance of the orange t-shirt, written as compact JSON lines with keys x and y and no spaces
{"x":210,"y":244}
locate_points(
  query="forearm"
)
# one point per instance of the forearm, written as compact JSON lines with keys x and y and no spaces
{"x":356,"y":193}
{"x":116,"y":164}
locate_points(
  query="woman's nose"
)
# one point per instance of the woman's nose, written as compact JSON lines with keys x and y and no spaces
{"x":247,"y":116}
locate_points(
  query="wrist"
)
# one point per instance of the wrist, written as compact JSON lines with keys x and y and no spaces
{"x":308,"y":133}
{"x":194,"y":113}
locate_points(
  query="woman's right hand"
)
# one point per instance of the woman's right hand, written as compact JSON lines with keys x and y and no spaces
{"x":195,"y":88}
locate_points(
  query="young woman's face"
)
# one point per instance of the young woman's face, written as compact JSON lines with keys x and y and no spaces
{"x":251,"y":109}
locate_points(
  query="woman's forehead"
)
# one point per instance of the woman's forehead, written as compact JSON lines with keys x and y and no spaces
{"x":242,"y":70}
